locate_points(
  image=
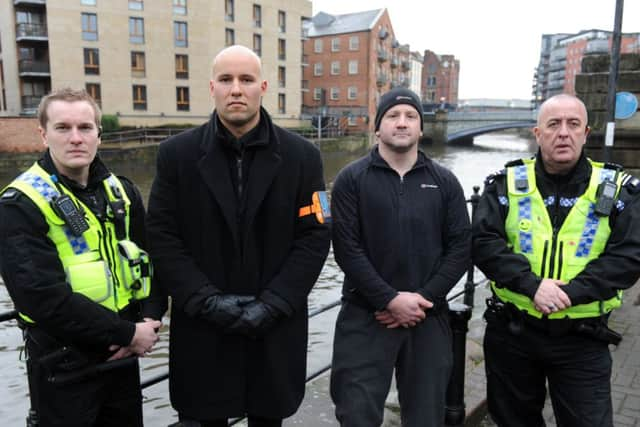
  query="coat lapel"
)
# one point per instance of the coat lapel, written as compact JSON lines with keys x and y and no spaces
{"x":214,"y":169}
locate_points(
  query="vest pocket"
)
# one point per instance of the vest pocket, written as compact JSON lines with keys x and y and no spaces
{"x":91,"y":279}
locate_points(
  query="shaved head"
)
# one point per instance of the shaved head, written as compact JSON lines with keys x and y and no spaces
{"x":563,"y":97}
{"x":235,"y":51}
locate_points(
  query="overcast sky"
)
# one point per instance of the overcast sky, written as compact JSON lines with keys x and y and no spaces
{"x":496,"y":41}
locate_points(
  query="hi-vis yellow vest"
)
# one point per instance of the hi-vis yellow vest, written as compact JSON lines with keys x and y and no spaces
{"x":109,"y":271}
{"x":562,"y":255}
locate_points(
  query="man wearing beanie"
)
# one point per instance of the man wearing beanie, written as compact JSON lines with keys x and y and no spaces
{"x":401,"y":235}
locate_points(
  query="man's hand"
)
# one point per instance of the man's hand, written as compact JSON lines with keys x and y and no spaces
{"x":550,"y":297}
{"x":223,"y":310}
{"x":406,"y":309}
{"x":257,"y":318}
{"x":142,"y":342}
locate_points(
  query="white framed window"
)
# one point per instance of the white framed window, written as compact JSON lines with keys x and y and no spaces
{"x":317,"y":69}
{"x":317,"y":93}
{"x":317,"y":45}
{"x":354,"y":43}
{"x":335,"y":68}
{"x":335,"y":93}
{"x":335,"y":44}
{"x":353,"y":66}
{"x":352,"y":121}
{"x":352,"y":92}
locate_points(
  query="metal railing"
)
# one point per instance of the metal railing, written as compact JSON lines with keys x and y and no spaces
{"x":142,"y":135}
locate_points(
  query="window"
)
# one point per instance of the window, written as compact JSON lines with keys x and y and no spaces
{"x":228,"y":10}
{"x":317,"y":45}
{"x":353,"y":66}
{"x":282,"y":21}
{"x":282,"y":49}
{"x":182,"y":98}
{"x":354,"y":43}
{"x":180,"y":34}
{"x":257,"y":44}
{"x":139,"y":97}
{"x":229,"y":37}
{"x":180,"y":7}
{"x":352,"y":121}
{"x":257,"y":15}
{"x":431,"y":81}
{"x":91,"y":61}
{"x":93,"y":89}
{"x":88,"y":2}
{"x":282,"y":103}
{"x":335,"y":44}
{"x":335,"y":68}
{"x":282,"y":77}
{"x":182,"y":67}
{"x":352,"y":92}
{"x":317,"y":69}
{"x":335,"y":92}
{"x":317,"y":93}
{"x":137,"y":64}
{"x":135,"y":5}
{"x":89,"y":27}
{"x":136,"y":30}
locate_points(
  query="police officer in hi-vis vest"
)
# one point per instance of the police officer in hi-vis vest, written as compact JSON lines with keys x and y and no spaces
{"x":71,"y":239}
{"x":559,"y":237}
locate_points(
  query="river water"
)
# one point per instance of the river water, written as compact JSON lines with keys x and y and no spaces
{"x":471,"y":164}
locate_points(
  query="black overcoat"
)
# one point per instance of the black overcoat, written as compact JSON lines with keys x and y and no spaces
{"x":195,"y":242}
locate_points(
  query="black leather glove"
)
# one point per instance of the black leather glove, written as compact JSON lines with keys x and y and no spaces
{"x":222,"y":310}
{"x":256,"y":319}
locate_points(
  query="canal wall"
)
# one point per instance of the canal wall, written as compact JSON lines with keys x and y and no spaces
{"x":592,"y":86}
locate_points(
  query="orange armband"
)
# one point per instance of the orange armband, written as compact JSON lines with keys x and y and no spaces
{"x":319,"y":206}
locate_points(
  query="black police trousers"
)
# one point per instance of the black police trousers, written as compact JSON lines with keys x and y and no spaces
{"x":109,"y":399}
{"x":518,"y":361}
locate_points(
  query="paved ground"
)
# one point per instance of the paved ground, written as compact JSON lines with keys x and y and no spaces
{"x":317,"y":409}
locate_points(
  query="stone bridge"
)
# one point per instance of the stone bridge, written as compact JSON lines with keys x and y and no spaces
{"x":460,"y":127}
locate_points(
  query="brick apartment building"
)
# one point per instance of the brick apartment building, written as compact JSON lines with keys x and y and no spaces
{"x":561,"y":58}
{"x":440,"y":75}
{"x":149,"y":62}
{"x":350,"y":61}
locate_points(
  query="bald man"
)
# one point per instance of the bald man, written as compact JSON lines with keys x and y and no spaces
{"x":559,"y":236}
{"x":238,"y":239}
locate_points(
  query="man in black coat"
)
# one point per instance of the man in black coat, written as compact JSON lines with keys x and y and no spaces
{"x":238,"y":239}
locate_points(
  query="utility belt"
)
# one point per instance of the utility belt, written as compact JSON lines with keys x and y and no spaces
{"x":507,"y":313}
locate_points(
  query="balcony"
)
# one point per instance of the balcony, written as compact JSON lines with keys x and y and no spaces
{"x":381,"y":80}
{"x":395,"y":62}
{"x":405,"y":49}
{"x":29,"y":67}
{"x":26,"y":31}
{"x":382,"y":55}
{"x":383,"y":34}
{"x":405,"y":65}
{"x":29,"y":2}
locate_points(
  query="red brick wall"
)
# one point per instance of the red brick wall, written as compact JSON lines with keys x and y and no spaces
{"x":19,"y":135}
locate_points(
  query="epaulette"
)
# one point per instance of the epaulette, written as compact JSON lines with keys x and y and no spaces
{"x":9,"y":194}
{"x":614,"y":166}
{"x":517,"y":162}
{"x":492,"y":177}
{"x":631,"y":183}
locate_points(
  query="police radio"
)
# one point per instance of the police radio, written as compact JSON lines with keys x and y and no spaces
{"x":66,"y":209}
{"x":605,"y":198}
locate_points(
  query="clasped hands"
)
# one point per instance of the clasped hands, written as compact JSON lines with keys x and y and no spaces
{"x":550,"y":297}
{"x":240,"y":314}
{"x":144,"y":338}
{"x":406,"y":309}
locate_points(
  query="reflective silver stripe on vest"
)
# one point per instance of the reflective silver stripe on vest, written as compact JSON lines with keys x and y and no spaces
{"x":524,"y":212}
{"x":78,"y":244}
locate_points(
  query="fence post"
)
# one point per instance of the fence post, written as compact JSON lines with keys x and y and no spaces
{"x":469,"y":286}
{"x":459,"y":315}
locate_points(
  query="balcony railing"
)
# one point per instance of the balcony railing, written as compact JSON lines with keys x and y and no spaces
{"x":25,"y":30}
{"x":395,"y":62}
{"x":406,"y":65}
{"x":382,"y":55}
{"x":26,"y":66}
{"x":381,"y":80}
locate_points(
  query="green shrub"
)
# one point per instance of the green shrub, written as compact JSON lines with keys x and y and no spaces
{"x":110,"y":123}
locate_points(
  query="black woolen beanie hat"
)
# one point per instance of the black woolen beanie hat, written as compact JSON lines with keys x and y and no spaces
{"x":394,"y":97}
